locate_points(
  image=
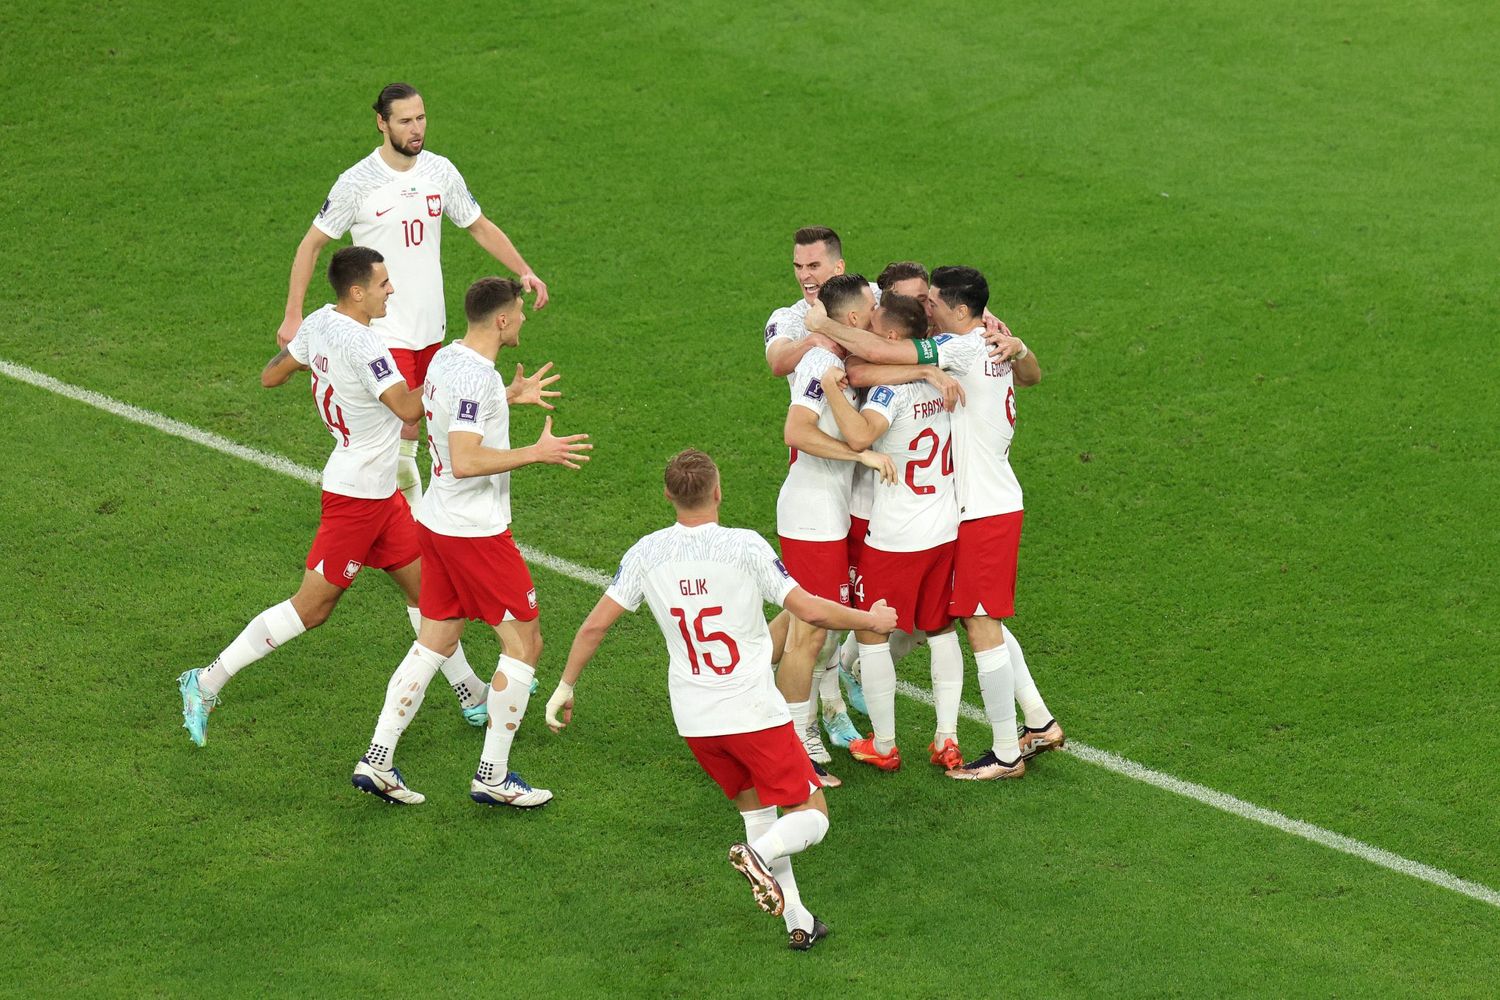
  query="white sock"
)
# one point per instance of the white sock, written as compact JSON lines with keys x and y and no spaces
{"x":947,"y":683}
{"x":903,"y":643}
{"x":460,"y":676}
{"x":1030,"y":698}
{"x":507,"y":709}
{"x":826,"y":677}
{"x":799,"y":710}
{"x":266,"y":632}
{"x":757,"y":822}
{"x":792,"y":834}
{"x":878,"y":671}
{"x":408,"y":476}
{"x":403,"y":696}
{"x":849,"y":655}
{"x":810,"y":723}
{"x":997,"y":688}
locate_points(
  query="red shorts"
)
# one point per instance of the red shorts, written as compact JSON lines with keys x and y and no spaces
{"x":820,"y":568}
{"x":484,"y":579}
{"x":355,"y":532}
{"x":917,"y":584}
{"x":984,"y":567}
{"x":413,"y":364}
{"x":859,"y":527}
{"x":772,"y":761}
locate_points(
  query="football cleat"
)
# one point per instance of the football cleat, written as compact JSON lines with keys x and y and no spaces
{"x":763,"y":885}
{"x":384,"y":784}
{"x":853,"y":690}
{"x":824,"y":778}
{"x":1035,"y":741}
{"x":800,"y":940}
{"x":948,"y":758}
{"x":195,"y":706}
{"x":988,"y":768}
{"x":513,"y":791}
{"x":840,"y":729}
{"x":477,"y":715}
{"x":863,"y":750}
{"x":813,"y":744}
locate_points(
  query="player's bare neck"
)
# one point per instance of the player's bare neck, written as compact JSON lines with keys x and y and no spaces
{"x":354,"y":312}
{"x":482,"y":343}
{"x":398,"y":162}
{"x":697,"y":518}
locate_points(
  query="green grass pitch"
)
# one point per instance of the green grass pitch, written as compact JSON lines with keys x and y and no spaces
{"x":1253,"y":248}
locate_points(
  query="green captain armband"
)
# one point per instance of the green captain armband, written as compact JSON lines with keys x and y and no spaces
{"x":927,"y":352}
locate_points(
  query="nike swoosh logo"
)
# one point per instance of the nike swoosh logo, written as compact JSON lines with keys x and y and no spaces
{"x":383,"y":211}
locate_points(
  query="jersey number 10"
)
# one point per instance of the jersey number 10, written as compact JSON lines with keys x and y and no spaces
{"x":706,"y":637}
{"x":413,"y":231}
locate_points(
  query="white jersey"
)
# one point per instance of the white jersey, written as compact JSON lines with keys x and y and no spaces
{"x":786,"y":323}
{"x":400,"y":213}
{"x":920,"y":511}
{"x":707,"y":586}
{"x":350,"y":369}
{"x":814,"y":502}
{"x":982,"y":427}
{"x":465,"y":394}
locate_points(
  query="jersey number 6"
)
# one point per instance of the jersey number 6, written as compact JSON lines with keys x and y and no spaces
{"x":706,"y":637}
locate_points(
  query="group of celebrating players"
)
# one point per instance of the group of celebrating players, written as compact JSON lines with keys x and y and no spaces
{"x":899,"y":515}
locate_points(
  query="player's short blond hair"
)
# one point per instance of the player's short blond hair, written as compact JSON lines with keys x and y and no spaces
{"x":691,"y":477}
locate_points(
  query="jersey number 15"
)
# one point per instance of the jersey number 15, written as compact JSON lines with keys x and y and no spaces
{"x":703,"y":637}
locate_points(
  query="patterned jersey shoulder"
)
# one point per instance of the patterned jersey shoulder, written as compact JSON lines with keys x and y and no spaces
{"x":959,"y":354}
{"x":463,"y":374}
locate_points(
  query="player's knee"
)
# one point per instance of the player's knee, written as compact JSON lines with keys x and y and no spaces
{"x":314,"y":615}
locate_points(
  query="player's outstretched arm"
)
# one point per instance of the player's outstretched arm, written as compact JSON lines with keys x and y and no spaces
{"x":585,"y":644}
{"x":499,"y":246}
{"x":861,"y":342}
{"x":784,"y":354}
{"x":303,"y":264}
{"x":826,"y":614}
{"x":280,"y":368}
{"x":403,"y":402}
{"x":863,"y":375}
{"x":472,"y":458}
{"x":533,"y":389}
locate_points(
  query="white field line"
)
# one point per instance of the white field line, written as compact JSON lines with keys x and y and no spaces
{"x":583,"y":574}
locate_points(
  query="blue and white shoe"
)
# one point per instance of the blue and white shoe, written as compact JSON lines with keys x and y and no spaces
{"x":513,"y":791}
{"x":195,"y":706}
{"x":840,"y":729}
{"x":854,"y":692}
{"x":478,"y":715}
{"x":385,"y":784}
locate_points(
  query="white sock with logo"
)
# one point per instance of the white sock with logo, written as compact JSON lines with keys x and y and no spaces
{"x":507,"y":709}
{"x":266,"y":632}
{"x":997,"y":688}
{"x":1026,"y":693}
{"x":878,"y":673}
{"x":792,"y":834}
{"x":947,"y":684}
{"x":460,"y":676}
{"x":403,"y":696}
{"x":757,"y":823}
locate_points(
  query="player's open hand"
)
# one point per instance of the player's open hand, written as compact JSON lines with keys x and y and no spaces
{"x":560,"y":707}
{"x":835,"y":378}
{"x":817,"y":315}
{"x":531,"y":283}
{"x":533,"y":390}
{"x":992,"y":324}
{"x":881,"y":463}
{"x":567,"y":451}
{"x":884,"y":617}
{"x":953,"y":392}
{"x":1004,"y":347}
{"x":287,"y":330}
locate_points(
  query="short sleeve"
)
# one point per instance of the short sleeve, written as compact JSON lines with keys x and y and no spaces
{"x":807,"y":384}
{"x":784,"y":324}
{"x":957,"y":355}
{"x":377,"y":369}
{"x":884,"y":400}
{"x":770,"y":576}
{"x":298,"y":346}
{"x":459,"y":205}
{"x":337,"y":213}
{"x":472,"y":402}
{"x":628,"y":589}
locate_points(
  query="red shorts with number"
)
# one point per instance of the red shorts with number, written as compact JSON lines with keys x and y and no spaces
{"x":917,"y":584}
{"x":483,"y":579}
{"x":772,"y":761}
{"x":859,"y":527}
{"x":984,"y":568}
{"x":355,"y":532}
{"x":820,"y":568}
{"x":413,"y":364}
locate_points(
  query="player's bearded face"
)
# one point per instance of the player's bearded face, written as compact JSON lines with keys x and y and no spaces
{"x":407,"y":126}
{"x":814,"y":265}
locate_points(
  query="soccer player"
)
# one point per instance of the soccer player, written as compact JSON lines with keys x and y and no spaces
{"x":471,"y":568}
{"x":989,"y":530}
{"x":812,"y":510}
{"x":906,"y":558}
{"x":706,"y":585}
{"x":361,"y":397}
{"x":817,"y":255}
{"x":394,"y":200}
